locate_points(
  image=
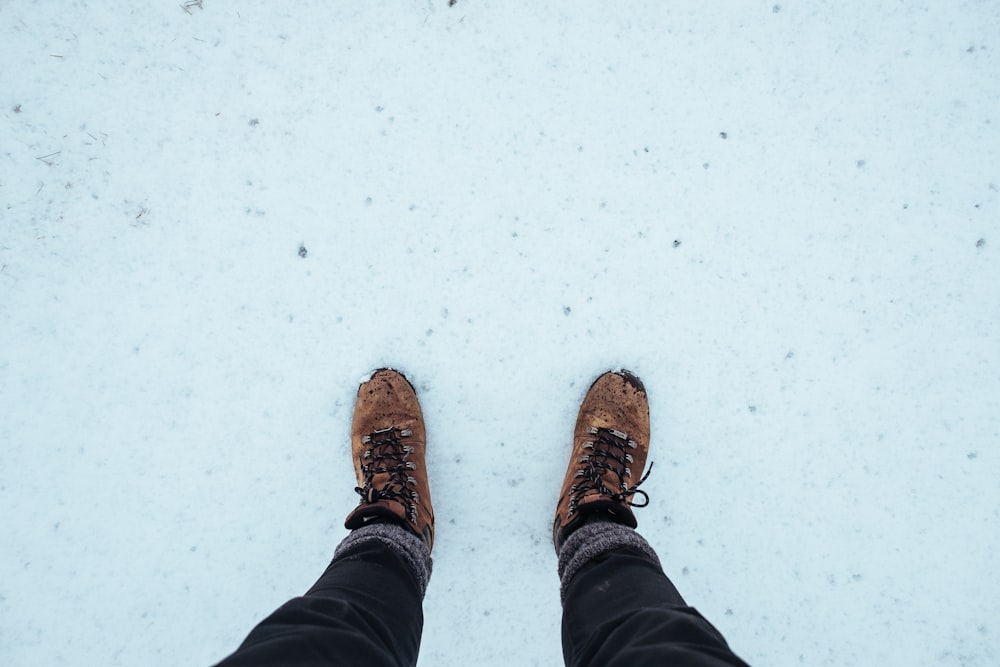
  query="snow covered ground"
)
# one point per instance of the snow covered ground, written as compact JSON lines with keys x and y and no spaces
{"x":784,"y":217}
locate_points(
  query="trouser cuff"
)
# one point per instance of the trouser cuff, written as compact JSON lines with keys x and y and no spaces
{"x":592,"y":539}
{"x":410,"y":548}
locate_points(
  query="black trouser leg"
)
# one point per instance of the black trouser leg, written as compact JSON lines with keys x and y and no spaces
{"x":366,"y":609}
{"x":620,"y":609}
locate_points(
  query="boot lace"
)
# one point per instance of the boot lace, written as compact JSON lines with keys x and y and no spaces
{"x":387,"y":454}
{"x":608,"y":458}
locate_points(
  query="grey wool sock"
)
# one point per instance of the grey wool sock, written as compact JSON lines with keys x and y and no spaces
{"x":405,"y":544}
{"x":592,"y":539}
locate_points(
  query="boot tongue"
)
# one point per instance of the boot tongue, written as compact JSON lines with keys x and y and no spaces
{"x":609,"y":510}
{"x":377,"y":512}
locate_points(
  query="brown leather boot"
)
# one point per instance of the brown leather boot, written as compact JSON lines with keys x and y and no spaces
{"x":388,"y":442}
{"x":610,"y":443}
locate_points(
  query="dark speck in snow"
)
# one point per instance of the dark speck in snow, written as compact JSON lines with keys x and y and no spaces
{"x":972,"y":455}
{"x":254,"y":122}
{"x":17,"y":108}
{"x":980,"y":243}
{"x":567,"y":310}
{"x":302,"y":251}
{"x":676,"y":242}
{"x":776,"y":9}
{"x":724,"y":135}
{"x":752,"y":408}
{"x":861,"y":164}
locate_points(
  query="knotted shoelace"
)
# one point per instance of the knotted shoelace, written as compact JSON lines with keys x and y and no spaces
{"x":386,"y":454}
{"x":608,"y":452}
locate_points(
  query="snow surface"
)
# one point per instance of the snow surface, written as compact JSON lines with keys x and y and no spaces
{"x":784,"y":218}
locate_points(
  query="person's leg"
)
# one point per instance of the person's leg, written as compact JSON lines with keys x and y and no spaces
{"x":365,"y":609}
{"x":620,"y":609}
